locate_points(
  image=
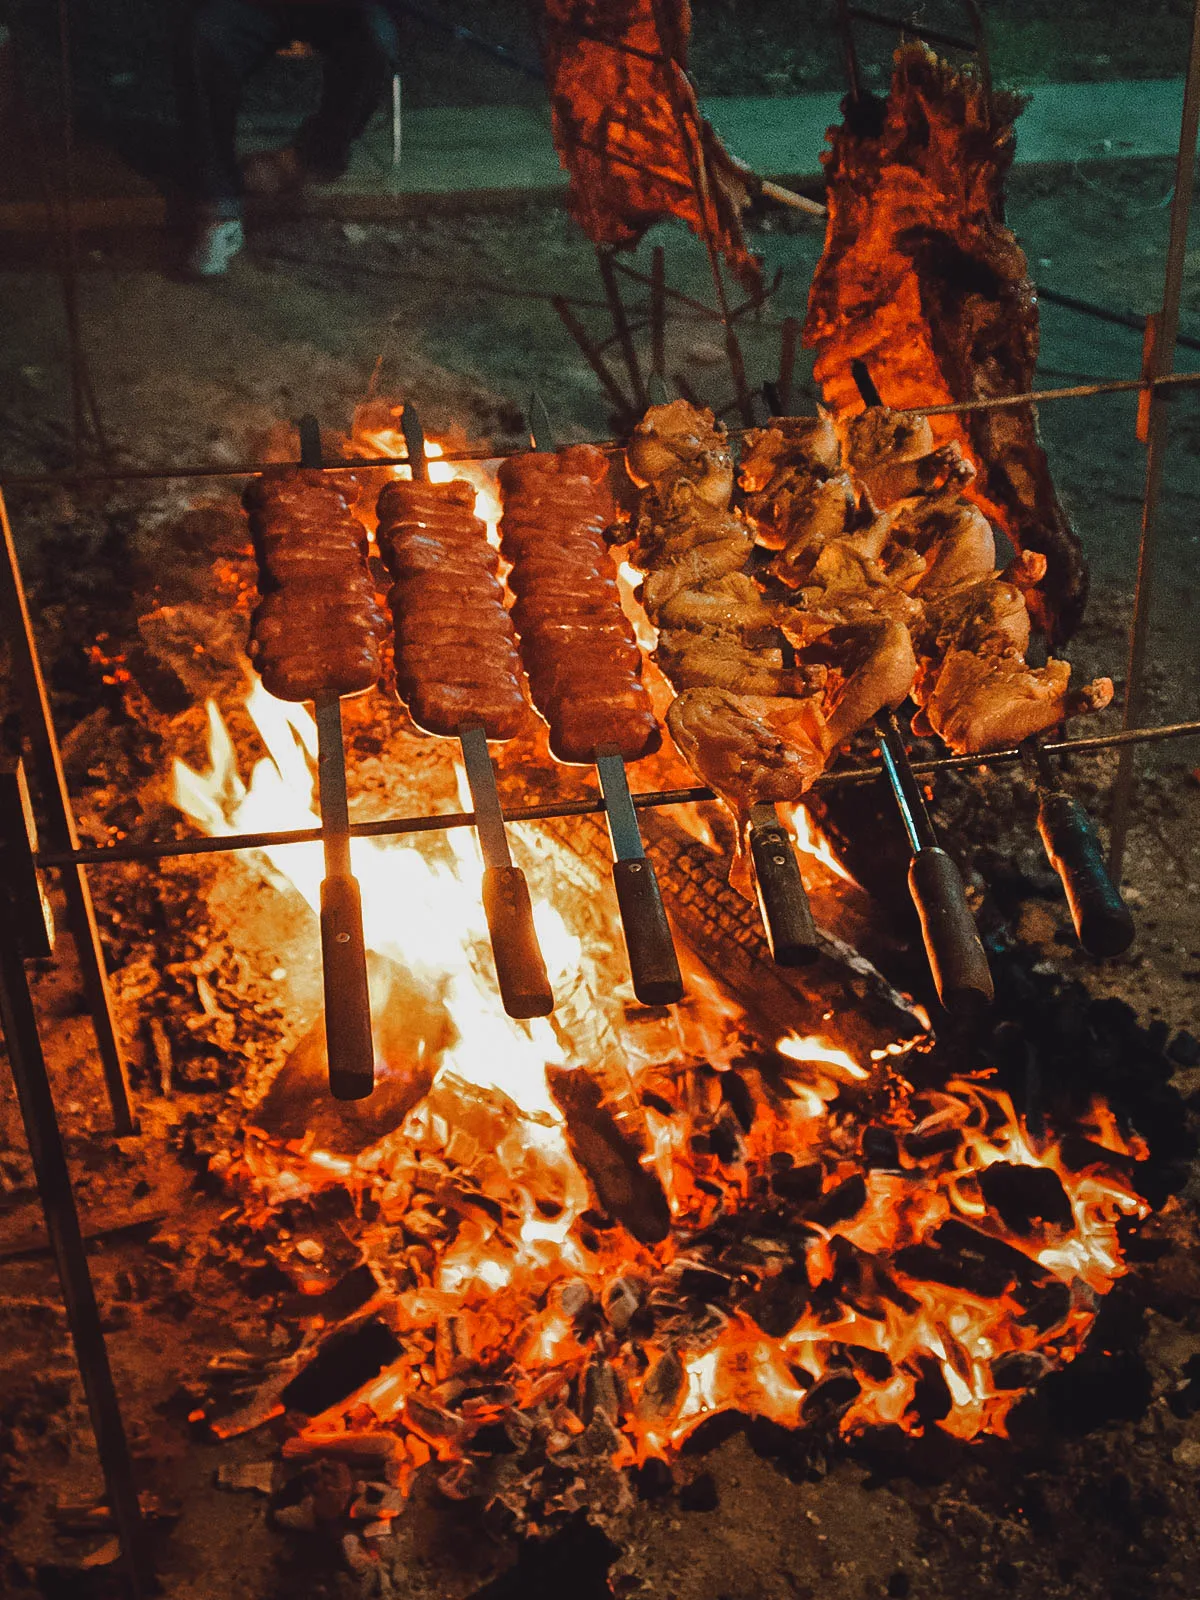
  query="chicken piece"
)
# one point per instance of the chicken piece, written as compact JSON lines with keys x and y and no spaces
{"x":804,"y":512}
{"x":678,"y":441}
{"x":953,"y":537}
{"x":791,"y":447}
{"x":982,"y":703}
{"x":868,"y":663}
{"x":748,"y":748}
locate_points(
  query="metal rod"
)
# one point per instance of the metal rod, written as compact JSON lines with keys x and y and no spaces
{"x":616,"y":308}
{"x":658,"y":311}
{"x":696,"y":170}
{"x":1161,"y":360}
{"x":910,"y":802}
{"x":397,"y":124}
{"x":916,"y":29}
{"x":588,"y":805}
{"x":592,"y":356}
{"x":1120,"y":319}
{"x":37,"y":724}
{"x":50,"y":480}
{"x":42,"y":1133}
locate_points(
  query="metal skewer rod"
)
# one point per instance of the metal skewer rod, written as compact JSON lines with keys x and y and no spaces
{"x":520,"y":967}
{"x":586,"y":805}
{"x":653,"y":964}
{"x":348,"y":1040}
{"x":956,"y":956}
{"x":1102,"y":920}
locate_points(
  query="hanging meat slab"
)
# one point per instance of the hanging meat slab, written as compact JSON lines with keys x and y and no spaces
{"x":629,"y":132}
{"x":921,"y":280}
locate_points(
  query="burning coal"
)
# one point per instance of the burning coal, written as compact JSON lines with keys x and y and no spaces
{"x":619,"y":1224}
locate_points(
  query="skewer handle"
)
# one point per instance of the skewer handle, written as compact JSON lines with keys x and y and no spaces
{"x":782,"y":899}
{"x":956,"y":956}
{"x":653,"y":964}
{"x":1102,"y":921}
{"x":520,"y":970}
{"x":347,"y":1006}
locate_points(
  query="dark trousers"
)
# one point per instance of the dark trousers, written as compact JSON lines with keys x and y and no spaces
{"x":223,"y":41}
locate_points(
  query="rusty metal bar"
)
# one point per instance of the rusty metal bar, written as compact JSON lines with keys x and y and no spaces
{"x":1159,"y":364}
{"x":20,"y":919}
{"x":37,"y":727}
{"x":621,"y":328}
{"x":587,"y":805}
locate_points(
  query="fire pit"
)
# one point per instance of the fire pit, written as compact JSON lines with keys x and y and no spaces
{"x":546,"y":1256}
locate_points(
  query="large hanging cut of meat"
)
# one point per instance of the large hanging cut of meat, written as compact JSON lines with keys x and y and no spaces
{"x":629,"y":132}
{"x":922,"y":281}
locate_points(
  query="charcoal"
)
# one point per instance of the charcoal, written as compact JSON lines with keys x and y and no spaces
{"x":622,"y":1298}
{"x":880,"y":1148}
{"x":1020,"y":1369}
{"x":1184,"y":1049}
{"x":798,"y":1184}
{"x":779,"y":1302}
{"x":700,"y":1494}
{"x":827,"y":1400}
{"x":842,"y":1202}
{"x":653,"y":1480}
{"x":600,"y":1392}
{"x":962,"y":1257}
{"x":931,"y":1395}
{"x":1024,"y":1195}
{"x":610,"y":1158}
{"x":434,"y":1425}
{"x":725,"y":1136}
{"x":736,"y":1094}
{"x":349,"y":1358}
{"x":876,"y":1364}
{"x":600,"y":1438}
{"x":662,"y":1389}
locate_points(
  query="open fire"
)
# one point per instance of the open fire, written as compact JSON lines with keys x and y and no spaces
{"x":609,"y":1225}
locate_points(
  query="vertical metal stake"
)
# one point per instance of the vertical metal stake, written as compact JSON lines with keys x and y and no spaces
{"x":59,"y":828}
{"x":62,"y":1224}
{"x":1161,"y":361}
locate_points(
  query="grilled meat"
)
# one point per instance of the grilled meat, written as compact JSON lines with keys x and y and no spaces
{"x":317,"y":628}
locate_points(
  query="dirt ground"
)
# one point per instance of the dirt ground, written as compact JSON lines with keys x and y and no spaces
{"x":454,"y":312}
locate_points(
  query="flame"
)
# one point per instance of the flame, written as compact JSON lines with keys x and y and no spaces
{"x":812,"y":842}
{"x":482,"y":1236}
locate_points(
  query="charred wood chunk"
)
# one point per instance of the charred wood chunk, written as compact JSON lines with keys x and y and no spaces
{"x":931,"y":1400}
{"x":800,"y":1185}
{"x":779,"y":1302}
{"x":348,"y":1358}
{"x":962,"y":1257}
{"x":865,"y":1283}
{"x":432,"y":1423}
{"x":737,"y":1096}
{"x":842,"y":1202}
{"x":610,"y":1157}
{"x":600,"y":1392}
{"x":663,"y":1388}
{"x":880,"y":1148}
{"x":1023,"y":1196}
{"x":830,"y":1399}
{"x":1020,"y":1369}
{"x":622,"y":1301}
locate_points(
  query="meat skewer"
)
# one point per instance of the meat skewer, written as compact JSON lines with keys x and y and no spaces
{"x":316,"y":636}
{"x":463,"y":681}
{"x":585,"y":669}
{"x":952,"y":944}
{"x":956,"y":956}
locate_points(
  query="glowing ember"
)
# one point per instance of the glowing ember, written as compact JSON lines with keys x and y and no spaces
{"x":834,"y":1244}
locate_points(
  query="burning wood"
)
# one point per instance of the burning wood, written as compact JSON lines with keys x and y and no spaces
{"x":922,"y":281}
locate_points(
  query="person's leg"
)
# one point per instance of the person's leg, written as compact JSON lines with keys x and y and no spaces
{"x":360,"y":47}
{"x":220,"y":45}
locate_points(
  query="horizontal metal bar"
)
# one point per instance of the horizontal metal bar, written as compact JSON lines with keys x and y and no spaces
{"x":48,"y":480}
{"x":917,"y":29}
{"x":586,"y":805}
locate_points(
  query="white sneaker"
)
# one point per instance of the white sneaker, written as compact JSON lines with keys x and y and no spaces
{"x":214,"y":248}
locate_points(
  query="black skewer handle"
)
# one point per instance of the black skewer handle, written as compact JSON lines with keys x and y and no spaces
{"x":520,"y":970}
{"x":956,"y":956}
{"x":1102,"y":920}
{"x":347,"y":1008}
{"x":782,"y":899}
{"x":653,"y":964}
